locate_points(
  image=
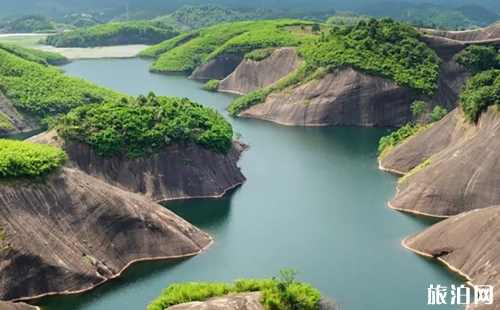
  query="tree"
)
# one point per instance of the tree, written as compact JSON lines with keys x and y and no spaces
{"x":437,"y":114}
{"x":315,"y":27}
{"x":418,"y":108}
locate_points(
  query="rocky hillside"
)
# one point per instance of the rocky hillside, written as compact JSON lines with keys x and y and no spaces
{"x":245,"y":301}
{"x":74,"y":232}
{"x":178,"y":171}
{"x":482,"y":34}
{"x":468,"y":244}
{"x":251,"y":75}
{"x":16,"y":306}
{"x":11,"y":121}
{"x":455,"y":166}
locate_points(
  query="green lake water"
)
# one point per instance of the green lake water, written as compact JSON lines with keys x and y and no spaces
{"x":314,"y":200}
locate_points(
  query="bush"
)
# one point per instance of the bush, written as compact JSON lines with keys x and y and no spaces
{"x":260,"y":54}
{"x":20,"y":159}
{"x":212,"y":85}
{"x":478,"y":58}
{"x":389,"y":142}
{"x":144,"y":126}
{"x":418,"y":108}
{"x":480,"y":92}
{"x":277,"y":294}
{"x":437,"y":114}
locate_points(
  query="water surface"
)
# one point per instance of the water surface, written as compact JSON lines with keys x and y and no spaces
{"x":314,"y":200}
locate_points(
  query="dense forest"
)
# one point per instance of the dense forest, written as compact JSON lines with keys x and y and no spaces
{"x":480,"y":92}
{"x":479,"y":58}
{"x":382,"y":48}
{"x":43,"y":91}
{"x":29,"y":24}
{"x":434,"y":16}
{"x":144,"y":126}
{"x":185,"y":53}
{"x":140,"y":32}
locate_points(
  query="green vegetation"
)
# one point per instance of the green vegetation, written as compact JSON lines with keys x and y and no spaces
{"x":382,"y":48}
{"x":478,"y":58}
{"x":277,"y":294}
{"x":20,"y":159}
{"x":346,"y":18}
{"x":212,"y":85}
{"x":41,"y":57}
{"x":30,"y":23}
{"x":144,"y":126}
{"x":140,"y":32}
{"x":260,"y":54}
{"x":433,"y":16}
{"x":419,"y":107}
{"x":437,"y":114}
{"x":5,"y":124}
{"x":480,"y":92}
{"x":416,"y":169}
{"x":183,"y":55}
{"x":44,"y":91}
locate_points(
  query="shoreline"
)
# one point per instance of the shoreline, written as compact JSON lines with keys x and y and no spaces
{"x":118,"y":275}
{"x":99,"y":52}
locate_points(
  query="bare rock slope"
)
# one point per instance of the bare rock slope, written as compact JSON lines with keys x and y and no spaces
{"x":15,"y":306}
{"x":178,"y":171}
{"x":245,"y":301}
{"x":19,"y":123}
{"x":482,"y":34}
{"x":75,"y":232}
{"x":469,"y":244}
{"x":462,"y":173}
{"x":217,"y":68}
{"x":251,"y":75}
{"x":344,"y":97}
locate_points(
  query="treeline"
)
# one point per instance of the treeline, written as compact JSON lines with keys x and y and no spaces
{"x":29,"y":24}
{"x":141,"y":32}
{"x":38,"y":56}
{"x":185,"y":53}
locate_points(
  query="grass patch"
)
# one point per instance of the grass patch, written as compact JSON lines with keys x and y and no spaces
{"x":388,"y":143}
{"x":38,"y":56}
{"x":416,"y":169}
{"x":5,"y":123}
{"x":283,"y":293}
{"x":260,"y":54}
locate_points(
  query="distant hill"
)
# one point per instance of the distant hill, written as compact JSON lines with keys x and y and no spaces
{"x":434,"y":16}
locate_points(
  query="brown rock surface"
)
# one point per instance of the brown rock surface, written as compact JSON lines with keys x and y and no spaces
{"x":251,"y":75}
{"x":245,"y":301}
{"x":21,"y":125}
{"x":16,"y":306}
{"x":75,"y":232}
{"x":464,"y":173}
{"x":482,"y":34}
{"x":409,"y":154}
{"x":344,"y":97}
{"x":217,"y":68}
{"x":468,"y":243}
{"x":178,"y":171}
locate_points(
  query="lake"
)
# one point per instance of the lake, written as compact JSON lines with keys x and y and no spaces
{"x":314,"y":200}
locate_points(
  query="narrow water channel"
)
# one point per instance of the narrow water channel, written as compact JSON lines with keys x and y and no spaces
{"x":314,"y":200}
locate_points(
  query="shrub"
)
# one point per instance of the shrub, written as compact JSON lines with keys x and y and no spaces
{"x":480,"y":92}
{"x":389,"y":142}
{"x":437,"y":114}
{"x":20,"y":159}
{"x":260,"y":54}
{"x":478,"y":58}
{"x":277,"y":294}
{"x":418,"y":108}
{"x":144,"y":126}
{"x":212,"y":85}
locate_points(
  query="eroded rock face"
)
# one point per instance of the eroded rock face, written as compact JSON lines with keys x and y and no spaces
{"x":76,"y":231}
{"x":178,"y":171}
{"x":487,"y":33}
{"x":463,"y":174}
{"x":469,"y":243}
{"x":217,"y":68}
{"x":246,"y":301}
{"x":344,"y":97}
{"x":251,"y":75}
{"x":15,"y":306}
{"x":20,"y":125}
{"x":409,"y":154}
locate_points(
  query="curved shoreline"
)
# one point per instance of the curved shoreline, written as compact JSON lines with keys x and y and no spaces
{"x":114,"y":276}
{"x":394,"y":171}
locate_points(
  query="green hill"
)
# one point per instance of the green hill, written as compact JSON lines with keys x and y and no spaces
{"x":29,"y":24}
{"x":183,"y":54}
{"x":38,"y":56}
{"x":140,"y":32}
